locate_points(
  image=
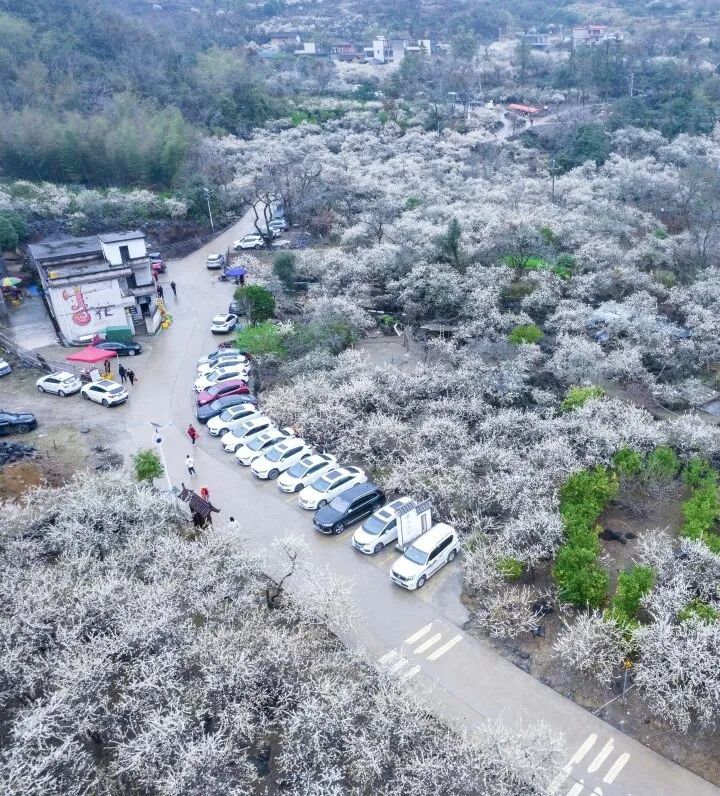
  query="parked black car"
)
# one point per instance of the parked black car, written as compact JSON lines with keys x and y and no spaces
{"x":204,"y":413}
{"x":236,"y":307}
{"x":121,"y":349}
{"x":17,"y":422}
{"x":351,"y":506}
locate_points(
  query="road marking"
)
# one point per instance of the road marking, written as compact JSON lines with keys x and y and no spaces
{"x":616,"y":768}
{"x":601,"y":755}
{"x":388,"y":657}
{"x":429,"y":643}
{"x":417,"y":636}
{"x":395,"y":668}
{"x":576,"y":789}
{"x":410,"y":673}
{"x":445,"y":647}
{"x":564,"y":772}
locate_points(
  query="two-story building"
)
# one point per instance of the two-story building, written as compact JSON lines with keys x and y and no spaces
{"x":391,"y":50}
{"x":97,"y":281}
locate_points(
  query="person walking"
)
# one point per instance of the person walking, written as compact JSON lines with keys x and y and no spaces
{"x":190,"y":464}
{"x":192,"y":432}
{"x":106,"y":366}
{"x":131,"y":377}
{"x":205,"y":494}
{"x":123,"y":374}
{"x":159,"y":291}
{"x":173,"y":287}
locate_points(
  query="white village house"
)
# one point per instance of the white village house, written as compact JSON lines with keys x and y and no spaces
{"x":94,"y":282}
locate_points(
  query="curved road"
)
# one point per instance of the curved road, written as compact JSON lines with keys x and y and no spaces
{"x":414,"y":635}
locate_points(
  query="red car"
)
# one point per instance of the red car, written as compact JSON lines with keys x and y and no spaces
{"x":159,"y":267}
{"x":229,"y":387}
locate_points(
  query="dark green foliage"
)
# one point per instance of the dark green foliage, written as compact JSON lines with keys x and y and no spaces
{"x":698,"y":472}
{"x":8,"y":237}
{"x":632,"y":585}
{"x":449,"y":247}
{"x":510,"y":568}
{"x":526,"y":333}
{"x":263,"y":339}
{"x":697,"y":609}
{"x":578,"y":396}
{"x":259,"y":302}
{"x":148,"y":465}
{"x":334,"y":336}
{"x":628,"y":463}
{"x":574,"y":146}
{"x":702,"y":509}
{"x":579,"y":577}
{"x":17,"y":222}
{"x":284,"y":269}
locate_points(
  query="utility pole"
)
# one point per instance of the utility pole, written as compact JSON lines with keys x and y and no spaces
{"x":632,"y":83}
{"x":158,"y":440}
{"x":207,"y":199}
{"x":552,"y":180}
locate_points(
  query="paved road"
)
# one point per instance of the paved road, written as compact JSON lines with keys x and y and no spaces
{"x":414,"y":635}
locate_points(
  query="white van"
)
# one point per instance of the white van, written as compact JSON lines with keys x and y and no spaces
{"x":380,"y":528}
{"x":425,"y":556}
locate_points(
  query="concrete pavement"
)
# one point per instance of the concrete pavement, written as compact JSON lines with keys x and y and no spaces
{"x":414,"y":635}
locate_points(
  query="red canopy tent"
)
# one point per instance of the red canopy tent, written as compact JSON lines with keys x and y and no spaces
{"x":91,"y":355}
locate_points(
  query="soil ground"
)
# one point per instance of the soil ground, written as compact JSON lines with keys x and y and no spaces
{"x":639,"y":512}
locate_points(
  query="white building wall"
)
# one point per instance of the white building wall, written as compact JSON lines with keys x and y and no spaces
{"x":380,"y":47}
{"x":85,"y":308}
{"x":136,"y":248}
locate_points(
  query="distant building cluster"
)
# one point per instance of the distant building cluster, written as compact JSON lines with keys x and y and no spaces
{"x":382,"y":50}
{"x":586,"y":34}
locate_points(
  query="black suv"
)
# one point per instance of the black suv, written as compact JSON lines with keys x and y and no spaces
{"x":351,"y":506}
{"x":16,"y":422}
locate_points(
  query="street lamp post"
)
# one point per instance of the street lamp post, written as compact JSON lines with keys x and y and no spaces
{"x":158,"y":440}
{"x":207,"y":199}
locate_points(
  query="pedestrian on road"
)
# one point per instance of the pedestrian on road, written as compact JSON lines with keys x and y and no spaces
{"x":190,"y":464}
{"x":173,"y":287}
{"x":192,"y":433}
{"x":159,"y":291}
{"x":131,"y":377}
{"x":106,"y":366}
{"x":123,"y":374}
{"x":205,"y":494}
{"x":155,"y":276}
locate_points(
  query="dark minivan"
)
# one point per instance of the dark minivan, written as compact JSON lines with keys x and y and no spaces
{"x":351,"y":506}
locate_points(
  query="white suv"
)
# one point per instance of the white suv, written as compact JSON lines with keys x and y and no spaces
{"x":230,"y":418}
{"x":61,"y":383}
{"x":279,"y":458}
{"x":250,"y":241}
{"x":425,"y":556}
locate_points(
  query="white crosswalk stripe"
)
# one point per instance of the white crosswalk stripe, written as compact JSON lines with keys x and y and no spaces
{"x":433,"y":656}
{"x":429,"y":643}
{"x":595,"y":765}
{"x":417,"y":636}
{"x":395,"y":662}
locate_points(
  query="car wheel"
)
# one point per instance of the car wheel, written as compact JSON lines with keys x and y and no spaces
{"x":378,"y":547}
{"x":105,"y":402}
{"x":452,"y":555}
{"x":273,"y":474}
{"x":61,"y":393}
{"x":40,"y":388}
{"x":322,"y":503}
{"x":339,"y":528}
{"x":23,"y":429}
{"x":298,"y":487}
{"x":223,"y":431}
{"x":131,"y":353}
{"x":85,"y":396}
{"x":421,"y":581}
{"x":258,"y":246}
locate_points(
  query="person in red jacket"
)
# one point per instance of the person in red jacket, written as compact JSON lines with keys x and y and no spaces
{"x":192,"y":433}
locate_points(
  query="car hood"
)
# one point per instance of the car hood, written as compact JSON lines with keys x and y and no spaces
{"x":328,"y":516}
{"x":205,"y":398}
{"x":407,"y":568}
{"x":364,"y":538}
{"x":23,"y":417}
{"x":206,"y":411}
{"x":262,"y":465}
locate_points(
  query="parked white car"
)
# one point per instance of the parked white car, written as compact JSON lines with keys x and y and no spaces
{"x":61,"y":383}
{"x":333,"y":483}
{"x":281,"y":243}
{"x":244,"y":431}
{"x":380,"y":528}
{"x":307,"y":470}
{"x":221,"y":353}
{"x":255,"y":447}
{"x":222,"y":324}
{"x":230,"y":418}
{"x":215,"y":261}
{"x":280,"y":457}
{"x":4,"y":367}
{"x":251,"y":241}
{"x":219,"y":375}
{"x":226,"y":362}
{"x":425,"y":556}
{"x":105,"y":392}
{"x":277,"y":226}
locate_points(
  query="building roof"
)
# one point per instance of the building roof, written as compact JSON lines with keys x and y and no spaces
{"x":115,"y":237}
{"x":66,"y":246}
{"x":514,"y":106}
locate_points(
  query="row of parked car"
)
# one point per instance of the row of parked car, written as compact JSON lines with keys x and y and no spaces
{"x":340,"y":496}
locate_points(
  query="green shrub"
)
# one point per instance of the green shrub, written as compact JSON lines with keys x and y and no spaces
{"x":662,"y":464}
{"x":335,"y":336}
{"x":263,"y":339}
{"x":510,"y":568}
{"x":577,"y":396}
{"x":258,"y":300}
{"x":701,"y":512}
{"x":147,"y":465}
{"x":526,"y":333}
{"x":579,"y":577}
{"x":548,"y":236}
{"x":412,"y":202}
{"x":697,"y":609}
{"x":628,"y":463}
{"x":632,"y":585}
{"x":9,"y":239}
{"x":284,"y":269}
{"x":585,"y":494}
{"x":698,"y":472}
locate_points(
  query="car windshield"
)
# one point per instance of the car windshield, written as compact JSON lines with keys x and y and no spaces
{"x":116,"y":391}
{"x":274,"y":455}
{"x":259,"y":442}
{"x":68,"y":380}
{"x":374,"y":526}
{"x":340,"y":504}
{"x":227,"y":414}
{"x":298,"y":470}
{"x":415,"y":555}
{"x":322,"y":484}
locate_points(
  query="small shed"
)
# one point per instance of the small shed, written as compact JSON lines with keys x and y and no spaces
{"x":526,"y":110}
{"x":200,"y":510}
{"x":443,"y":330}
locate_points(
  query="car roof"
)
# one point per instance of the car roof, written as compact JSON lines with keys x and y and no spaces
{"x":223,"y":316}
{"x":214,"y":254}
{"x":61,"y":374}
{"x":430,"y":538}
{"x":360,"y":490}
